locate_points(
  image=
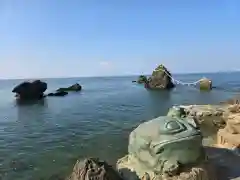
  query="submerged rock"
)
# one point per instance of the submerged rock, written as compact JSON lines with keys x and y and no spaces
{"x":30,"y":90}
{"x":74,"y":87}
{"x":160,"y":79}
{"x":59,"y":93}
{"x":165,"y":148}
{"x":93,"y":168}
{"x":142,"y":79}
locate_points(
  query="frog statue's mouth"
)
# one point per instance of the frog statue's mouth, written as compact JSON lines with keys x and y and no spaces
{"x":193,"y":136}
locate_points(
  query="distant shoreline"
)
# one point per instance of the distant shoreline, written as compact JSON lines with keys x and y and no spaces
{"x":116,"y":76}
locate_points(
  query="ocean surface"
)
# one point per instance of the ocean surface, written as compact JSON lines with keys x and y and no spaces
{"x":42,"y":141}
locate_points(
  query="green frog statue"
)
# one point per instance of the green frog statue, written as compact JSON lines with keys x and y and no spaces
{"x":163,"y":146}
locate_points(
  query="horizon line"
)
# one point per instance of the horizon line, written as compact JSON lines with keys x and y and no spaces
{"x":68,"y":77}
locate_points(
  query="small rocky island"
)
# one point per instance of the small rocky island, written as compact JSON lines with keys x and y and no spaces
{"x":34,"y":90}
{"x":30,"y":90}
{"x":161,"y":78}
{"x":64,"y":91}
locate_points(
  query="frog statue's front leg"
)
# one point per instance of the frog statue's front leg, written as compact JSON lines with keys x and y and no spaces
{"x":171,"y":167}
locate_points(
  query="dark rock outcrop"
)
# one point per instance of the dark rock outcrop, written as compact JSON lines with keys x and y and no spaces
{"x":30,"y":90}
{"x":58,"y":93}
{"x":93,"y":168}
{"x":160,"y":79}
{"x":74,"y":87}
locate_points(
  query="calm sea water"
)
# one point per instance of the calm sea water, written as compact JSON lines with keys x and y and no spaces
{"x":43,"y":140}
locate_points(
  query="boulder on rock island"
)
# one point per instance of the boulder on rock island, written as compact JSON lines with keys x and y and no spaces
{"x":166,"y":148}
{"x":205,"y":84}
{"x":93,"y":168}
{"x":30,"y":90}
{"x":160,"y":79}
{"x":74,"y":87}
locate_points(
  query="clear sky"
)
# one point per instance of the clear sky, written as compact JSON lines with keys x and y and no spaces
{"x":64,"y":38}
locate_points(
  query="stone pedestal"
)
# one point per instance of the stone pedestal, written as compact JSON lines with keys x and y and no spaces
{"x":130,"y":169}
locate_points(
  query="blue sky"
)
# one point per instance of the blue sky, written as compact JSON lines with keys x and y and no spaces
{"x":64,"y":38}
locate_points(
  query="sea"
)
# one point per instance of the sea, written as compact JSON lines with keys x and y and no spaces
{"x":43,"y":140}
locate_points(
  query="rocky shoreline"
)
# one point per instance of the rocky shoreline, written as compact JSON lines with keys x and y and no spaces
{"x":218,"y":159}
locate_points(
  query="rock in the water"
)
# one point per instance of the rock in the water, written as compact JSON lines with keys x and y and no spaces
{"x":58,"y":93}
{"x":160,"y":79}
{"x":93,"y":168}
{"x":142,"y":79}
{"x":162,"y":148}
{"x":74,"y":87}
{"x":30,"y":90}
{"x":205,"y":84}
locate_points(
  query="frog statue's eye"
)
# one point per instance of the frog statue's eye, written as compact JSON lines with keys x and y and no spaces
{"x":172,"y":127}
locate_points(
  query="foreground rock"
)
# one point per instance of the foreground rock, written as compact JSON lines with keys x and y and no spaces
{"x":225,"y":119}
{"x":229,"y":137}
{"x":211,"y":114}
{"x":74,"y":87}
{"x":93,"y":169}
{"x":166,"y":148}
{"x":30,"y":90}
{"x":160,"y":79}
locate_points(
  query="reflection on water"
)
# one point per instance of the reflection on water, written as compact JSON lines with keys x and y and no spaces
{"x":20,"y":102}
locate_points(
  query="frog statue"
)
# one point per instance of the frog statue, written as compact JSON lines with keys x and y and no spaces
{"x":163,"y":146}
